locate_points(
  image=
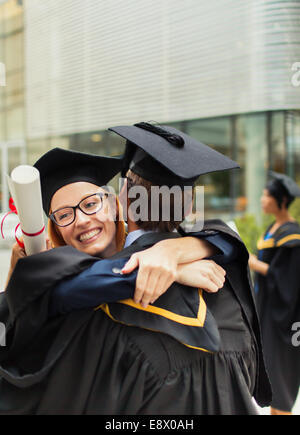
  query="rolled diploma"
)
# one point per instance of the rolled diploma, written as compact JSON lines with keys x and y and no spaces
{"x":25,"y":187}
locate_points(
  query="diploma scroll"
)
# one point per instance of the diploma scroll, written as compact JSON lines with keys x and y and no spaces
{"x":25,"y":188}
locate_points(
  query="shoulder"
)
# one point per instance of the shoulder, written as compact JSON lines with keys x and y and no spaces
{"x":288,"y":235}
{"x":211,"y":227}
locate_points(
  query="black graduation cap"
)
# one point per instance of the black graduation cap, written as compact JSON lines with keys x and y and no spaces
{"x":59,"y":167}
{"x":166,"y":156}
{"x":291,"y":187}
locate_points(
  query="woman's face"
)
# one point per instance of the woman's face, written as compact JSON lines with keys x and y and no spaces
{"x":93,"y":234}
{"x":268,"y":203}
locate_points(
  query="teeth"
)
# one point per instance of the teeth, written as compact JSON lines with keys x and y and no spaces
{"x":87,"y":236}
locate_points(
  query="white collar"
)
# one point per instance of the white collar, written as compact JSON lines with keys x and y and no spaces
{"x":133,"y":236}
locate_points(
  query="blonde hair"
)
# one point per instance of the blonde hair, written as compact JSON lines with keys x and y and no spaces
{"x":57,"y":240}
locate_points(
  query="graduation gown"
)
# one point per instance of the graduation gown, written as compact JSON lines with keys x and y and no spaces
{"x":85,"y":362}
{"x":278,"y":299}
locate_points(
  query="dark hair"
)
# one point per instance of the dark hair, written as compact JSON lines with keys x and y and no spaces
{"x":178,"y":203}
{"x":279,"y":192}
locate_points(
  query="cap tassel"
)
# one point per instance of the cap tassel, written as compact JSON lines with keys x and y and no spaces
{"x":174,"y":139}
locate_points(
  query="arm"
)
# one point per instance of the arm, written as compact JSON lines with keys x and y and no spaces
{"x":258,"y":265}
{"x":158,"y":264}
{"x":104,"y":282}
{"x":157,"y":272}
{"x":204,"y":274}
{"x":101,"y":282}
{"x":16,"y":253}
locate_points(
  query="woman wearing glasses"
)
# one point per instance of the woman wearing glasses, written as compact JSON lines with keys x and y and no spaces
{"x":94,"y":225}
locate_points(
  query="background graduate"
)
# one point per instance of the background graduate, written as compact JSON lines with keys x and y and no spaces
{"x":278,"y":296}
{"x":44,"y":356}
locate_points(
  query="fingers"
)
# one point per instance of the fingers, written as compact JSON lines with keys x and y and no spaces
{"x":215,"y":275}
{"x":151,"y":283}
{"x":150,"y":289}
{"x":17,"y":253}
{"x":131,"y":264}
{"x":161,"y":287}
{"x":141,"y":284}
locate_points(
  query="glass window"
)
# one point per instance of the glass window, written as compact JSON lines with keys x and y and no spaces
{"x":293,"y":144}
{"x":215,"y":133}
{"x":293,"y":154}
{"x":251,"y":139}
{"x":277,"y":153}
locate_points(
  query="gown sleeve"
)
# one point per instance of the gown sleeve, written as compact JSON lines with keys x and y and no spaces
{"x":227,"y":251}
{"x":102,"y":282}
{"x":284,"y":287}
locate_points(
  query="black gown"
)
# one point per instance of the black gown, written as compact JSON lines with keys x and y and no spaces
{"x":278,"y":298}
{"x":85,"y":362}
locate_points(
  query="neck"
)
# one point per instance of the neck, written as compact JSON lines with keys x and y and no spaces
{"x":282,"y":216}
{"x":132,"y":226}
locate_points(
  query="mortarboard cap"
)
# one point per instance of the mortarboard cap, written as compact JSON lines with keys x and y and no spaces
{"x":290,"y":186}
{"x":59,"y":167}
{"x":166,"y":156}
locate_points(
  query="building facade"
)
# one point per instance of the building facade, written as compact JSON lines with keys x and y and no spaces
{"x":226,"y":72}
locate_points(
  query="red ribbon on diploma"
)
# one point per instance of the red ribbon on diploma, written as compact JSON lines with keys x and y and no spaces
{"x":14,"y":210}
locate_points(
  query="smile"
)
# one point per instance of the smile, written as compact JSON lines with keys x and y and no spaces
{"x":88,"y":236}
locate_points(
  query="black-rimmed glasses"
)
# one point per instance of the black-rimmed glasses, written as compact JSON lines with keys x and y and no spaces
{"x":90,"y":205}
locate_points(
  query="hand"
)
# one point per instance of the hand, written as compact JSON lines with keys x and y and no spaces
{"x":157,"y":272}
{"x":204,"y":274}
{"x":16,"y":254}
{"x":48,"y":244}
{"x":252,"y":261}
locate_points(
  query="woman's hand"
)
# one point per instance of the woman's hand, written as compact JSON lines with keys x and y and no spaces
{"x":252,"y":261}
{"x":158,"y":269}
{"x":157,"y":272}
{"x":204,"y":274}
{"x":17,"y":253}
{"x":257,"y":265}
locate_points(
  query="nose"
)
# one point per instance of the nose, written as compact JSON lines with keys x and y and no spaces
{"x":81,"y":219}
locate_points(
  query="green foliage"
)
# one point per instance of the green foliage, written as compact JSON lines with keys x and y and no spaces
{"x":295,"y":210}
{"x":250,"y":230}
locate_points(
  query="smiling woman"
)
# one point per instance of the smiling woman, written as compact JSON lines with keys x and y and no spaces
{"x":81,"y":213}
{"x":88,"y":226}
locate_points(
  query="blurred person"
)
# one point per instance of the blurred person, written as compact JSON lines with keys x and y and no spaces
{"x":278,"y":291}
{"x":43,"y":352}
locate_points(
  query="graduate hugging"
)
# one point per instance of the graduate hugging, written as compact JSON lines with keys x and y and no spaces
{"x":155,"y":321}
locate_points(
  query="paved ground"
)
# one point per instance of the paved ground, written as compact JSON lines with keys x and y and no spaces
{"x":296,"y":410}
{"x":4,"y":266}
